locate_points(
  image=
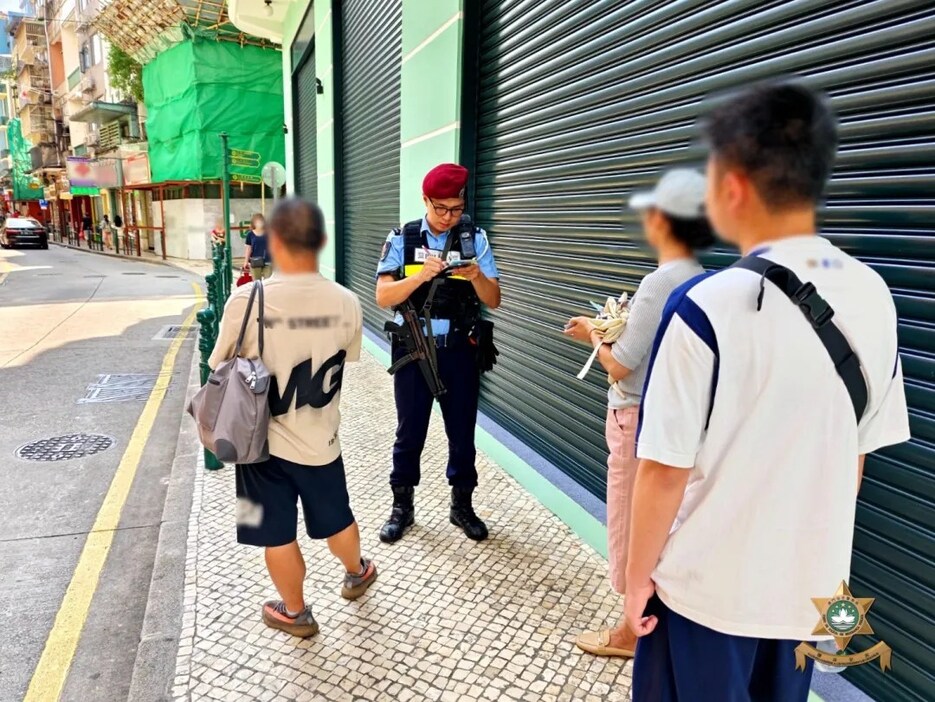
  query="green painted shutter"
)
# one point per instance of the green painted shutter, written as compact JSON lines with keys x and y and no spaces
{"x":579,"y":104}
{"x":371,"y":65}
{"x":305,"y":125}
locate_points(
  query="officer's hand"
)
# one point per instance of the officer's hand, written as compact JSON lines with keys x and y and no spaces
{"x":433,"y":266}
{"x":471,"y":272}
{"x":579,"y":328}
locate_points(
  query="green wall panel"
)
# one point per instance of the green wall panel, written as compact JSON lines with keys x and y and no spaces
{"x":423,"y":17}
{"x":431,"y":78}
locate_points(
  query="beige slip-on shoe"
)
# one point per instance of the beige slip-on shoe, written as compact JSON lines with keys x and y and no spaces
{"x":598,"y":644}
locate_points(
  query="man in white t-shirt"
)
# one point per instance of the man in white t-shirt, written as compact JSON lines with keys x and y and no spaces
{"x":752,"y":440}
{"x":312,"y":327}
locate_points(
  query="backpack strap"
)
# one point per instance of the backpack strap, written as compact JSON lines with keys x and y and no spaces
{"x":818,"y":313}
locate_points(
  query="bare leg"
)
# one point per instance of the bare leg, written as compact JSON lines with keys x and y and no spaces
{"x":287,"y":569}
{"x":346,"y":546}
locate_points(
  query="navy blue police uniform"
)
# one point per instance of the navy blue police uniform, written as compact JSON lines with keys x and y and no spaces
{"x":454,"y":318}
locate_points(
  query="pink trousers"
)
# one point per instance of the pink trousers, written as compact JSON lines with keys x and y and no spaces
{"x":622,"y":463}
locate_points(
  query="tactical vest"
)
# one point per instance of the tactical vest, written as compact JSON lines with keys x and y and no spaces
{"x":455,"y":297}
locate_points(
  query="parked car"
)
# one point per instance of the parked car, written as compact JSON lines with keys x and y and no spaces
{"x":22,"y":231}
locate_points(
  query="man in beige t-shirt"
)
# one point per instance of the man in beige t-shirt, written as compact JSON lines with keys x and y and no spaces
{"x":312,"y":327}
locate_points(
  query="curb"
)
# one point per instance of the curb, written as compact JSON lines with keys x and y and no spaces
{"x":125,"y":257}
{"x":154,"y":668}
{"x":138,"y":259}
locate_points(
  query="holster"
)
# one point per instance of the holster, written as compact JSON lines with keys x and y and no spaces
{"x":482,"y":338}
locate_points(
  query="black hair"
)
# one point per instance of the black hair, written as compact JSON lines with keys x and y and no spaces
{"x":694,"y":233}
{"x":299,"y":223}
{"x":782,"y":134}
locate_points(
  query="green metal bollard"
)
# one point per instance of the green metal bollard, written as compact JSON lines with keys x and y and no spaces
{"x":211,"y":283}
{"x":206,"y":339}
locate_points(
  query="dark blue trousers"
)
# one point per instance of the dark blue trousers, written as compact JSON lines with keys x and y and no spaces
{"x":457,"y":367}
{"x":682,"y":661}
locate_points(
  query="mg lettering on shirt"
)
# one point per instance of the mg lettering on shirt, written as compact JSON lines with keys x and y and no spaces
{"x":749,"y":401}
{"x":313,"y":326}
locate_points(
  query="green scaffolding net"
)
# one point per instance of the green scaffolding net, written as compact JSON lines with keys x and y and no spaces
{"x":23,"y":180}
{"x":200,"y":88}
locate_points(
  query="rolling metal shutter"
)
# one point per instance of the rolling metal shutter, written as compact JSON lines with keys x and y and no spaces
{"x":305,"y":125}
{"x":371,"y":65}
{"x":579,"y":104}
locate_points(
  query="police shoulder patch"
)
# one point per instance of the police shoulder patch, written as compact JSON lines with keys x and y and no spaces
{"x":386,"y":250}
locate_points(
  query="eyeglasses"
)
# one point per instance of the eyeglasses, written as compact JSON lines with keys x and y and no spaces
{"x":441,"y":210}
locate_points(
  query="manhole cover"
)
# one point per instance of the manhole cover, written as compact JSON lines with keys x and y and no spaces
{"x":170,"y":332}
{"x":64,"y":448}
{"x":119,"y":387}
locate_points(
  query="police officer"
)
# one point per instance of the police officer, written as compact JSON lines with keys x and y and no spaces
{"x":445,"y":254}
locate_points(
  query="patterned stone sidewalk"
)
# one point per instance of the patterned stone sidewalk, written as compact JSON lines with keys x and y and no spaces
{"x":449,"y":619}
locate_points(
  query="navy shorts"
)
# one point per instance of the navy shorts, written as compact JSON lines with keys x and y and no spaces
{"x":267,"y":497}
{"x":681,"y":661}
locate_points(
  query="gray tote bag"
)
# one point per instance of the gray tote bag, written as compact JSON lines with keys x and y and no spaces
{"x":231,"y":409}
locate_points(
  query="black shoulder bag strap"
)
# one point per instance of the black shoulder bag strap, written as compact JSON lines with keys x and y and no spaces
{"x":818,"y":313}
{"x":257,"y":288}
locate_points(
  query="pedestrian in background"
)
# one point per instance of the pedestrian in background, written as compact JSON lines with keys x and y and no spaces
{"x":675,"y":228}
{"x":256,"y":257}
{"x":87,"y":228}
{"x":107,"y":232}
{"x":754,"y":425}
{"x":313,"y":326}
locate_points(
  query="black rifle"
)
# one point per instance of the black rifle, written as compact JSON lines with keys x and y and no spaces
{"x":421,"y":347}
{"x":410,"y":335}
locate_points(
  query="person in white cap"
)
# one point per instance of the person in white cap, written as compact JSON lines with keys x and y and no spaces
{"x":675,"y":227}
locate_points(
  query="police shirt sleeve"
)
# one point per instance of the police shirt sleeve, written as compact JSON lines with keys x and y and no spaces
{"x":485,"y":255}
{"x":889,"y":424}
{"x":391,"y":255}
{"x":353,"y":349}
{"x":677,"y":395}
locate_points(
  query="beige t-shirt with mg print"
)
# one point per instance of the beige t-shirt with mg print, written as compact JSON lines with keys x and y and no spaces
{"x":312,"y":327}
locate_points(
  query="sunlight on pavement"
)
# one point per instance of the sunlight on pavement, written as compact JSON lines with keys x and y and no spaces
{"x":41,"y":328}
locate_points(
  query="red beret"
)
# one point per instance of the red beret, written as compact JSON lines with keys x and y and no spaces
{"x":444,"y":181}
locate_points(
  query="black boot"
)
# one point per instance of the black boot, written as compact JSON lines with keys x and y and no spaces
{"x":462,"y":514}
{"x":402,"y":517}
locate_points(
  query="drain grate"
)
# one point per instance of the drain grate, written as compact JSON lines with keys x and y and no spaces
{"x":167,"y":276}
{"x":119,"y":387}
{"x":172,"y":331}
{"x":132,"y":273}
{"x":64,"y":448}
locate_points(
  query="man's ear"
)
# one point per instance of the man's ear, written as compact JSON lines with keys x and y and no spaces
{"x":737,"y":188}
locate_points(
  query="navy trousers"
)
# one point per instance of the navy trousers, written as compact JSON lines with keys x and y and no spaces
{"x":682,"y":661}
{"x":457,"y":367}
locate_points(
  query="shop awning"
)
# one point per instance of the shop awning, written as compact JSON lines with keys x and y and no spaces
{"x":103,"y":112}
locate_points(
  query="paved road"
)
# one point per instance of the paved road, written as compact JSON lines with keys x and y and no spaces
{"x":67,"y":317}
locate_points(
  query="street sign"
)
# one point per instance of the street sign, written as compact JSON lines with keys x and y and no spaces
{"x":245,"y":159}
{"x":237,"y":163}
{"x":44,"y":204}
{"x":246,"y":178}
{"x":274,"y":175}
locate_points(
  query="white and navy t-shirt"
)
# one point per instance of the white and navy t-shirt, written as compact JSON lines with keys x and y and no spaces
{"x":750,"y":402}
{"x":313,"y":327}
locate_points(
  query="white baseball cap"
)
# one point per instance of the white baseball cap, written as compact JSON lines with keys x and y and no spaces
{"x":679,"y":192}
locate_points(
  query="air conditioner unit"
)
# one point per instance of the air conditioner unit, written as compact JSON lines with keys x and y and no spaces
{"x":87,"y":84}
